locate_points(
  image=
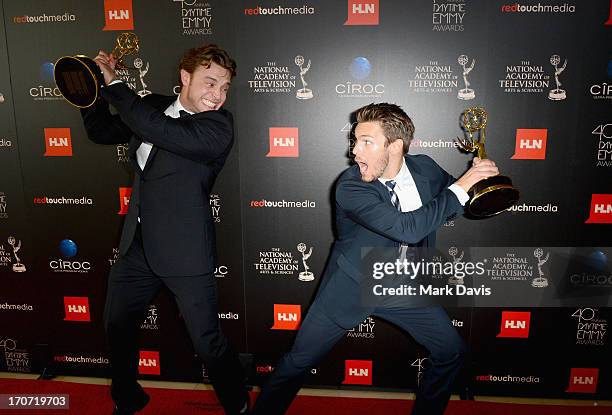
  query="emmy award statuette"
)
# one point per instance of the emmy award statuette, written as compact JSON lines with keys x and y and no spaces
{"x":304,"y":93}
{"x":490,"y":196}
{"x":454,"y":279}
{"x":306,"y":275}
{"x":78,"y":77}
{"x":540,"y":281}
{"x":557,"y":94}
{"x":466,"y":93}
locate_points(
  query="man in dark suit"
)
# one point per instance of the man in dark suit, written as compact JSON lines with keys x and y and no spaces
{"x":177,"y":147}
{"x":388,"y":198}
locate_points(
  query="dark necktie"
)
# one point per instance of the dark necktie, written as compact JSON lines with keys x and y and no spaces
{"x":183,"y":114}
{"x":394,"y":198}
{"x":396,"y":203}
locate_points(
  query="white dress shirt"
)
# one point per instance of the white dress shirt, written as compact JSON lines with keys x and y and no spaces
{"x":408,"y":193}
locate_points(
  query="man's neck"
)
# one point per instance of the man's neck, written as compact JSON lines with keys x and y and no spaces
{"x":393,"y":168}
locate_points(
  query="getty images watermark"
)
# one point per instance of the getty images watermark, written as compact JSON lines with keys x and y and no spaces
{"x":425,"y":268}
{"x":487,"y":277}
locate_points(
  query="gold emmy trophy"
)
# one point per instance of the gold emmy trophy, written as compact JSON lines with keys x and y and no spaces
{"x":78,"y":77}
{"x":495,"y":194}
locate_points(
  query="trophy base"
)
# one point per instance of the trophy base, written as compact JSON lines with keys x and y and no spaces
{"x":539,"y":282}
{"x":557,"y":95}
{"x":78,"y":79}
{"x":304,"y":94}
{"x":306,"y":276}
{"x":455,"y":281}
{"x":19,"y":268}
{"x":466,"y":94}
{"x":491,"y":196}
{"x":144,"y":93}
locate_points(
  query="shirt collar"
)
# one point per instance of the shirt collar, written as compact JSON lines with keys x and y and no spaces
{"x":178,"y":107}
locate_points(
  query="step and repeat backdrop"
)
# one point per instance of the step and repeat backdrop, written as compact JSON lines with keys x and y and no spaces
{"x":541,"y":69}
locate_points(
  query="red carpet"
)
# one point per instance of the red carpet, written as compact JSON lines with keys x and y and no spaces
{"x":95,"y":400}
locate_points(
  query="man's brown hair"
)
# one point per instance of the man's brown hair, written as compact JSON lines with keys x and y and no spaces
{"x":393,"y":120}
{"x":204,"y":55}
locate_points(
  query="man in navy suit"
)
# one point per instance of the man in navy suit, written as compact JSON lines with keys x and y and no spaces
{"x":388,"y":198}
{"x":177,"y":147}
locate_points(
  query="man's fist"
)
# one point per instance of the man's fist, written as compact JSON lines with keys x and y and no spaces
{"x":480,"y":170}
{"x":106,"y":62}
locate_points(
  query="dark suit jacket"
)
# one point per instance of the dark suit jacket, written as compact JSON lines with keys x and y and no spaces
{"x":171,"y":195}
{"x":365,"y":217}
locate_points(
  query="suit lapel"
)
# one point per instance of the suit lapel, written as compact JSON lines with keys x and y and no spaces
{"x":422,"y":182}
{"x":152,"y":154}
{"x":132,"y":147}
{"x":160,"y":102}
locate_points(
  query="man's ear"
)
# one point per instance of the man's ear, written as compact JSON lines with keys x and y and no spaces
{"x":397,"y":146}
{"x":185,"y":77}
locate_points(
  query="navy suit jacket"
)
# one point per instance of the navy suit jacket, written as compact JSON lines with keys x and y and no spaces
{"x":171,"y":194}
{"x":365,"y":217}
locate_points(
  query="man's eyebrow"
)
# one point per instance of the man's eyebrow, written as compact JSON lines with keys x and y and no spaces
{"x":212,"y":78}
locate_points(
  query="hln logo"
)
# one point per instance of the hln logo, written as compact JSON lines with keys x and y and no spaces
{"x":287,"y":317}
{"x":362,"y":13}
{"x":601,"y":208}
{"x":357,"y":372}
{"x":515,"y":324}
{"x":284,"y":141}
{"x":583,"y":380}
{"x":77,"y":309}
{"x":531,"y":144}
{"x":58,"y":142}
{"x":364,"y":8}
{"x":511,"y":324}
{"x":118,"y":14}
{"x":148,"y":362}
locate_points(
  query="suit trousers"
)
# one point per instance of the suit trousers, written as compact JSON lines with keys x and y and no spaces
{"x":429,"y":326}
{"x":132,"y":285}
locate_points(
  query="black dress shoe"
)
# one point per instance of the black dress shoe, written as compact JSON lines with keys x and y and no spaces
{"x":134,"y":407}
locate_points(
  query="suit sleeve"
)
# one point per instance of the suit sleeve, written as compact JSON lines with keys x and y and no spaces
{"x":202,"y":137}
{"x":363,"y":204}
{"x":102,"y":127}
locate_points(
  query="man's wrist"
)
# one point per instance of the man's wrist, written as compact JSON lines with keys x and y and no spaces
{"x":460,"y":192}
